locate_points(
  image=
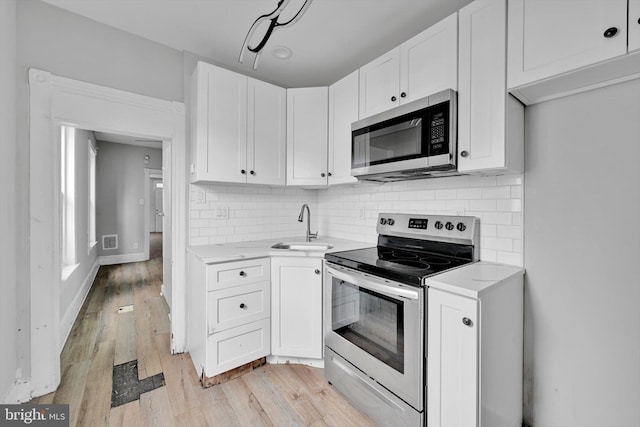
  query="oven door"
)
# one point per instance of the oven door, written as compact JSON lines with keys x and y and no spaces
{"x":378,"y":326}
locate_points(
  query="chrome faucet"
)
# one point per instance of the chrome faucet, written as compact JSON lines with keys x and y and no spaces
{"x":310,"y":235}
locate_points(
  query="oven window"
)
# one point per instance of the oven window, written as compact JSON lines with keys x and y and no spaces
{"x":371,"y":321}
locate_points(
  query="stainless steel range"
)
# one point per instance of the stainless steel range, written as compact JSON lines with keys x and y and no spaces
{"x":375,"y":320}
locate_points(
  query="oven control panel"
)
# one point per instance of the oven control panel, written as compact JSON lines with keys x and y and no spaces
{"x":447,"y":228}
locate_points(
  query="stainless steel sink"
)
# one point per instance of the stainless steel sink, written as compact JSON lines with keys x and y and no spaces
{"x":302,"y":246}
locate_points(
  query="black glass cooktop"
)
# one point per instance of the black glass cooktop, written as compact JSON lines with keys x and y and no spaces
{"x":403,"y":264}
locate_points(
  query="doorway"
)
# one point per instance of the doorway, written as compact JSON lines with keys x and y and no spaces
{"x":56,"y":101}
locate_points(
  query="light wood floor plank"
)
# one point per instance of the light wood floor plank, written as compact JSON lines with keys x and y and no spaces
{"x":244,"y":403}
{"x":127,"y":415}
{"x":96,"y":400}
{"x":126,"y":339}
{"x":72,"y":388}
{"x":155,"y":409}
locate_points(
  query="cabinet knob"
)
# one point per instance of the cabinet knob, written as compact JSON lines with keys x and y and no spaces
{"x":323,"y":174}
{"x":393,"y":98}
{"x":610,"y":32}
{"x":252,"y":172}
{"x":467,"y":322}
{"x":242,"y":305}
{"x":243,"y":172}
{"x":403,"y":95}
{"x":243,"y":274}
{"x":317,"y":271}
{"x":464,"y":154}
{"x":329,"y":174}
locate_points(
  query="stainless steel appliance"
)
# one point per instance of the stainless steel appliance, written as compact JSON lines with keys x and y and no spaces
{"x":414,"y":140}
{"x":375,"y":320}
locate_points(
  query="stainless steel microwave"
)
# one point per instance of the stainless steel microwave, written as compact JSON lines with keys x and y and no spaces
{"x":414,"y":140}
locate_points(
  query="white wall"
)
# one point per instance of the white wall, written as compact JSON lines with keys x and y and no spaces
{"x":120,"y":185}
{"x":255,"y":213}
{"x":8,"y":196}
{"x":70,"y":45}
{"x":75,"y":287}
{"x":582,"y":256}
{"x":350,"y":211}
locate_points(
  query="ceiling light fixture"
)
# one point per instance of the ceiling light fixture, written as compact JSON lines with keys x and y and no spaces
{"x":273,"y":17}
{"x":282,"y":52}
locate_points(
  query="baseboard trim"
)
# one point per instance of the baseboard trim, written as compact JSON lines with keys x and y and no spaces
{"x":122,"y":259}
{"x":72,"y":312}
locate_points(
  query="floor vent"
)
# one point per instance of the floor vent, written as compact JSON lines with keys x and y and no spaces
{"x":110,"y":241}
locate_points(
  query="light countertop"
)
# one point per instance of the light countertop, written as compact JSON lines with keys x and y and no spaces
{"x":474,"y":279}
{"x":212,"y":254}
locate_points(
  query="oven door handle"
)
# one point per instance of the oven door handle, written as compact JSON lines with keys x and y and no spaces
{"x":373,"y":284}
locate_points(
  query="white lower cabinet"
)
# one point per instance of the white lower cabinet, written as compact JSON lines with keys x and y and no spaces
{"x":296,"y":301}
{"x":474,"y":346}
{"x":452,"y":391}
{"x":229,"y":314}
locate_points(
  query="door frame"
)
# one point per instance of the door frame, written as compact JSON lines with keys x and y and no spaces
{"x":56,"y":101}
{"x":149,"y":176}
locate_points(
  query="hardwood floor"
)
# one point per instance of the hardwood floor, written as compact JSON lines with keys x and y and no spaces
{"x":102,"y":337}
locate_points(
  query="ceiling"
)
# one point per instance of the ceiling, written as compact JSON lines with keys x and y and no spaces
{"x":333,"y":37}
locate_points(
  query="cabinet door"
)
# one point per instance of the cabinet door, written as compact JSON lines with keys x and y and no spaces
{"x":634,"y":25}
{"x":224,"y":143}
{"x":429,"y":61}
{"x":485,"y":140}
{"x":266,"y":133}
{"x":296,"y":305}
{"x":547,"y":38}
{"x":380,"y":83}
{"x":307,"y":123}
{"x":452,"y":371}
{"x":343,"y":110}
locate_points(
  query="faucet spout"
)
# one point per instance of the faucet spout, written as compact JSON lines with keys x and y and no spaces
{"x":310,"y":235}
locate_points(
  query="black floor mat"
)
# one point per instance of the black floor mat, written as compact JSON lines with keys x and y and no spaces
{"x":126,"y":386}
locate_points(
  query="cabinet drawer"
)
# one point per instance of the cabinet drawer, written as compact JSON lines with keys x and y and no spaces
{"x":236,"y":306}
{"x":236,"y":346}
{"x":221,"y":276}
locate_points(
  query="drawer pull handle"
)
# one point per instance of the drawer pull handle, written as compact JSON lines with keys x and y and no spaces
{"x":242,"y":305}
{"x":243,"y":274}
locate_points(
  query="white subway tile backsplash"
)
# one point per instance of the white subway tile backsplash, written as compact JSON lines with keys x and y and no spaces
{"x":351,"y":211}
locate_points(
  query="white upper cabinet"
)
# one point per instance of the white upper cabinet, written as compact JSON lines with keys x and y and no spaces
{"x":429,"y":61}
{"x":380,"y":83}
{"x":219,"y":124}
{"x":421,"y":66}
{"x":490,"y":121}
{"x":266,"y":133}
{"x":561,"y":47}
{"x":343,"y":110}
{"x":634,"y":25}
{"x":307,"y":120}
{"x":238,"y":128}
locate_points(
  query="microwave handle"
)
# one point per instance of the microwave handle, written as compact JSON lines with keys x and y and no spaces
{"x":374,"y":285}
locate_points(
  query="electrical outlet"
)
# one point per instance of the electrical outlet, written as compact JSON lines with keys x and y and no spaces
{"x":222,"y":212}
